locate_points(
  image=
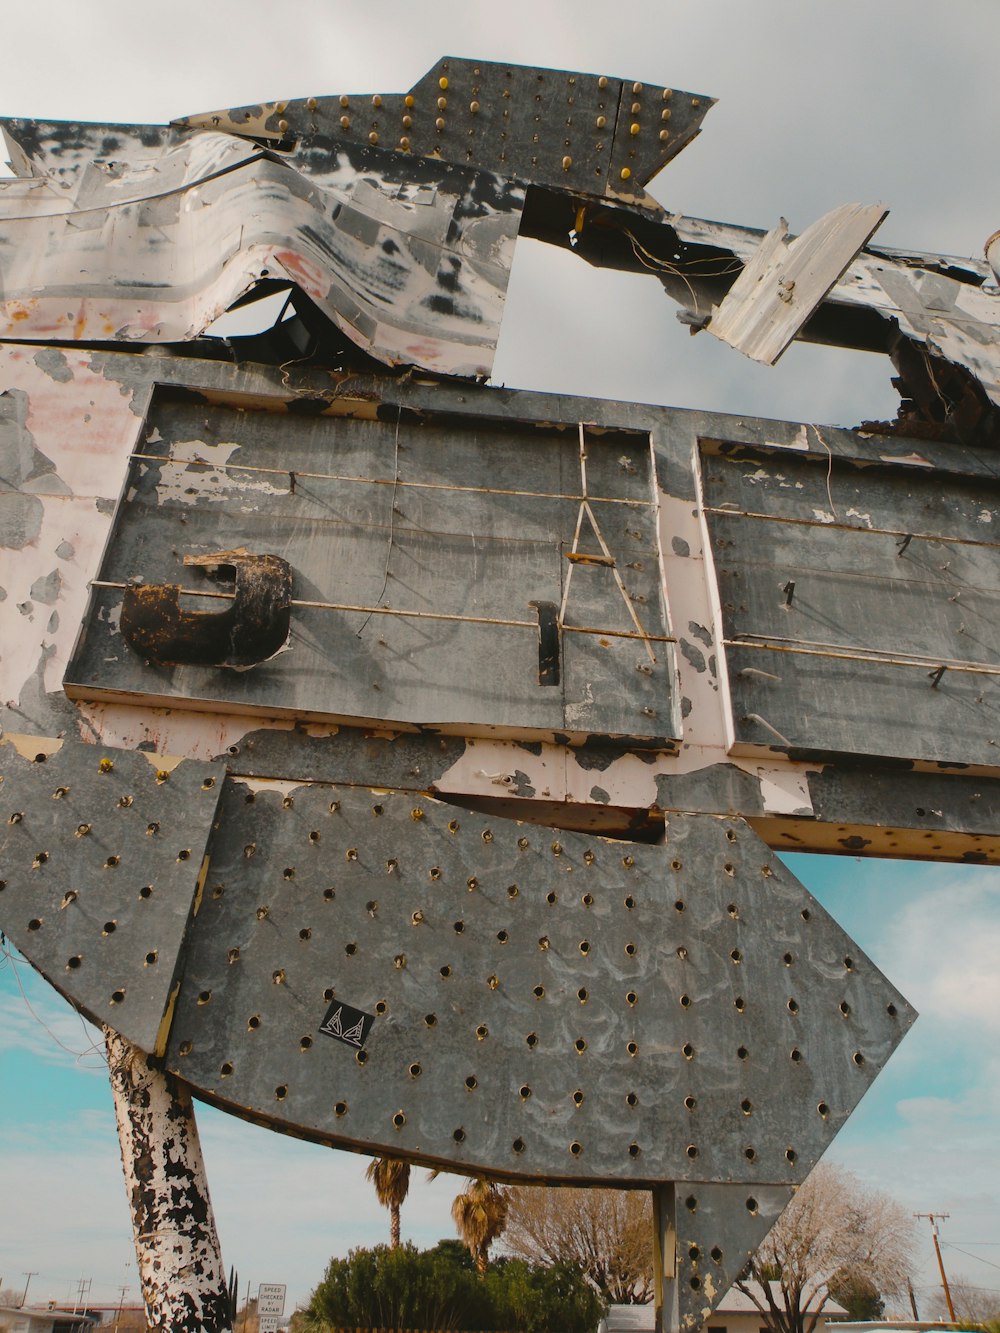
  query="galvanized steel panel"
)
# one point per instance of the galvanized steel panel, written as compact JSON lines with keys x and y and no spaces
{"x":419,"y":550}
{"x":859,"y":606}
{"x":102,"y":856}
{"x":545,"y":1004}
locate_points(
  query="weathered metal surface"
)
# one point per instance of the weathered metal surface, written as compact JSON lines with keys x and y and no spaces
{"x":247,"y":632}
{"x":415,"y":546}
{"x":411,"y":261}
{"x":586,"y":134}
{"x":546,"y":1004}
{"x":703,"y":1236}
{"x":784,"y":280}
{"x":102,"y":857}
{"x":859,"y":608}
{"x":73,"y":417}
{"x":504,"y":997}
{"x":177,"y":1246}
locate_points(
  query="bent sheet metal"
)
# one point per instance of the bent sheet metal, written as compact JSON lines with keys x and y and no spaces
{"x":526,"y":1002}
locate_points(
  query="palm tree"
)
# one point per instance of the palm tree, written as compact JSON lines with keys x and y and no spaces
{"x":480,"y":1215}
{"x":391,"y":1178}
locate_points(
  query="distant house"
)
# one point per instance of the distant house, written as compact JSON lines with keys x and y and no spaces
{"x":35,"y":1319}
{"x":735,"y":1313}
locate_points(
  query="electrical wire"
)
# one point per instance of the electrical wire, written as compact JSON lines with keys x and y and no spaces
{"x":79,"y":1056}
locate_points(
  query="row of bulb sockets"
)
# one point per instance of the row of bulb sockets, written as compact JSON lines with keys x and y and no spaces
{"x":474,"y":107}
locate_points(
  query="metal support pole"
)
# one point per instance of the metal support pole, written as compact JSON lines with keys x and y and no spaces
{"x":176,"y":1243}
{"x":665,"y":1257}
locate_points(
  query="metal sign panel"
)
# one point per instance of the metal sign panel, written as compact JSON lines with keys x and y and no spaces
{"x":271,"y":1299}
{"x":445,"y":573}
{"x":103,"y":853}
{"x":546,"y":1005}
{"x":859,"y":605}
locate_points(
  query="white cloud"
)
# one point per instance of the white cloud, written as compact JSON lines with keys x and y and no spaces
{"x":37,"y":1021}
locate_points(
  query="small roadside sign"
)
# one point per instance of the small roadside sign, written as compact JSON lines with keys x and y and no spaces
{"x":271,"y":1299}
{"x":268,"y":1323}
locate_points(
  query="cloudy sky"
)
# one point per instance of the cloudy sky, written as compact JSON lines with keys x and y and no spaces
{"x":819,"y":104}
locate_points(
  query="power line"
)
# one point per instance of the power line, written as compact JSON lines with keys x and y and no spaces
{"x":950,"y":1245}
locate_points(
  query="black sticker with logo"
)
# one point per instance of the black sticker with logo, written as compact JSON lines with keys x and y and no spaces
{"x":348,"y":1025}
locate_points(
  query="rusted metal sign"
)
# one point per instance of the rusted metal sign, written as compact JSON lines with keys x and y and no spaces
{"x":400,"y":762}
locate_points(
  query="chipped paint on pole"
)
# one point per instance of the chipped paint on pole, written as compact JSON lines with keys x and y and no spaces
{"x":177,"y":1246}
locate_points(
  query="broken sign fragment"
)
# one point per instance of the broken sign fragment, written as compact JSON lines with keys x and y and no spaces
{"x":252,"y":628}
{"x":784,"y":280}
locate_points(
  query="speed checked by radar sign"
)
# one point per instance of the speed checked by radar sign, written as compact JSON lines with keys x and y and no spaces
{"x":271,"y":1300}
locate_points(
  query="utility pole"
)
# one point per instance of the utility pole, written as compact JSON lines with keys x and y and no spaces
{"x":83,"y":1284}
{"x":913,"y":1300}
{"x":29,"y":1276}
{"x":934,"y":1218}
{"x":121,"y":1302}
